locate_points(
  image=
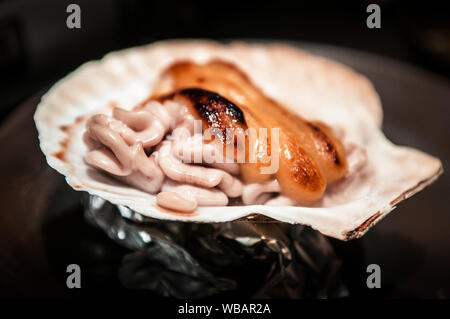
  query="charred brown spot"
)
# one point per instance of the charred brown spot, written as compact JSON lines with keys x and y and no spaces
{"x":217,"y":111}
{"x":303,"y":173}
{"x":397,"y":199}
{"x":213,"y":107}
{"x":368,"y":221}
{"x":302,"y":170}
{"x":336,"y":158}
{"x":61,"y":155}
{"x":361,"y":228}
{"x":68,"y":127}
{"x":325,"y":141}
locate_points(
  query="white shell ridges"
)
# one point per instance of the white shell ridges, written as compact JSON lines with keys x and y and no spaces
{"x":313,"y":86}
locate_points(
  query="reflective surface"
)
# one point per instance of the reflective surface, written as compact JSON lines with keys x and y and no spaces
{"x":257,"y":258}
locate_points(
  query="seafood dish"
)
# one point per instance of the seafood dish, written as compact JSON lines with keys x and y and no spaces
{"x":199,"y":131}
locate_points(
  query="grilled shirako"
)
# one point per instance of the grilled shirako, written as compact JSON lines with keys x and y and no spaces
{"x":219,"y":94}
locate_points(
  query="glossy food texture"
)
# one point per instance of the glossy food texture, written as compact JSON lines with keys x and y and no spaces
{"x":224,"y":97}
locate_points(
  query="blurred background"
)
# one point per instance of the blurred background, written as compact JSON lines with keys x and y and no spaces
{"x":41,"y":223}
{"x":36,"y":47}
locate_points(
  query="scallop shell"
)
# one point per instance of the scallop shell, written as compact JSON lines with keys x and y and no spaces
{"x":317,"y":88}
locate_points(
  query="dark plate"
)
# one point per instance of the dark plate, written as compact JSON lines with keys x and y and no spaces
{"x":42,"y":229}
